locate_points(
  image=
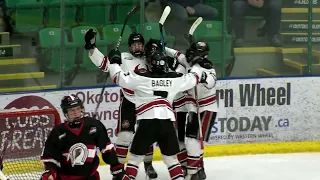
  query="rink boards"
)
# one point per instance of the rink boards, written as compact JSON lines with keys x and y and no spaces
{"x":256,"y":116}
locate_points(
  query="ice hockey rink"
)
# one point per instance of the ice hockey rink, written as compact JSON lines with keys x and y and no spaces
{"x":300,"y":166}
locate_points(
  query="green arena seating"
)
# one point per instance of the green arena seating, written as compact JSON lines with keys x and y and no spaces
{"x":27,"y":14}
{"x":122,"y":7}
{"x":77,"y":37}
{"x":53,"y":13}
{"x":111,"y":33}
{"x":50,"y":50}
{"x":96,"y":12}
{"x":151,"y":30}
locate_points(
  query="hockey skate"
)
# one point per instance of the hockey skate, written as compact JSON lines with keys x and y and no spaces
{"x":150,"y":172}
{"x":184,"y":170}
{"x":201,"y":174}
{"x":192,"y":177}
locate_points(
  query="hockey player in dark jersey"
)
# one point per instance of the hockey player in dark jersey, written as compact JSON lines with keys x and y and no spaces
{"x":154,"y":90}
{"x":70,"y":151}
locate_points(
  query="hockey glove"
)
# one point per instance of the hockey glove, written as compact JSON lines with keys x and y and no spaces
{"x":205,"y":63}
{"x":90,"y":39}
{"x":195,"y":60}
{"x":119,"y":173}
{"x":172,"y":63}
{"x":49,"y":175}
{"x":114,"y":57}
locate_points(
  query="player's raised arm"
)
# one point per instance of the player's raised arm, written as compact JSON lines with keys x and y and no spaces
{"x":95,"y":55}
{"x":124,"y":79}
{"x":51,"y":156}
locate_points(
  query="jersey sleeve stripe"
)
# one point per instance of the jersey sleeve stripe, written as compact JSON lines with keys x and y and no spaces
{"x":207,"y":100}
{"x":128,"y":91}
{"x":103,"y":65}
{"x":50,"y":160}
{"x":109,"y":147}
{"x":184,"y":101}
{"x":116,"y":78}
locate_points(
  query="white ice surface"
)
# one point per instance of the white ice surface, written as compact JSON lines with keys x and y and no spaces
{"x":302,"y":166}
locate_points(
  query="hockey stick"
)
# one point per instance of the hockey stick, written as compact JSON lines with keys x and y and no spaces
{"x":129,"y":15}
{"x":191,"y":31}
{"x":163,"y":18}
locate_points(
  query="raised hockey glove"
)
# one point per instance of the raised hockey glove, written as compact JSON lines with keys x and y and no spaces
{"x":49,"y":175}
{"x":114,"y":57}
{"x":172,"y":63}
{"x":90,"y":39}
{"x":119,"y":173}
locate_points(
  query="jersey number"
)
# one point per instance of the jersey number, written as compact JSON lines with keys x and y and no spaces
{"x":163,"y":94}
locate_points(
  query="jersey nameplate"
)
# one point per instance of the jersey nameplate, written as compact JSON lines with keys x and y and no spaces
{"x":161,"y":83}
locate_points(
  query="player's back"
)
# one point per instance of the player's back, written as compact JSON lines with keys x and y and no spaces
{"x":154,"y":93}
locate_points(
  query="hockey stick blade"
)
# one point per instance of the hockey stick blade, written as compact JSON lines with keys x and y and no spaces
{"x":164,"y":15}
{"x":163,"y":18}
{"x":194,"y":27}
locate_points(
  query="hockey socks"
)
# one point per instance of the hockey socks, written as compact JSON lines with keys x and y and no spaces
{"x":174,"y":167}
{"x":194,"y":155}
{"x":122,"y":145}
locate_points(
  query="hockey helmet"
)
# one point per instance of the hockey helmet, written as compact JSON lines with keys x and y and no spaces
{"x":200,"y":49}
{"x":133,"y":38}
{"x":155,"y":57}
{"x":71,"y":101}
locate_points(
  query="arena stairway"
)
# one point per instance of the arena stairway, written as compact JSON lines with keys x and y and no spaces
{"x":294,"y":34}
{"x":18,"y":73}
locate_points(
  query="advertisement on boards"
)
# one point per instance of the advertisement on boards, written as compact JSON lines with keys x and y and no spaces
{"x":28,"y":137}
{"x":267,"y":110}
{"x":250,"y":110}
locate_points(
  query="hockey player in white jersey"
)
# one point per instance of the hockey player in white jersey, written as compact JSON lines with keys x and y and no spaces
{"x":190,"y":153}
{"x":132,"y":60}
{"x":154,"y":90}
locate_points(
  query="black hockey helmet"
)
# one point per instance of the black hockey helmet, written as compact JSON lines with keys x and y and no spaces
{"x":71,"y":101}
{"x":136,"y":37}
{"x":155,"y":57}
{"x":200,"y":49}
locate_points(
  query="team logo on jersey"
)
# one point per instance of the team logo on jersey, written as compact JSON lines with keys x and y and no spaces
{"x":78,"y":154}
{"x":125,"y":124}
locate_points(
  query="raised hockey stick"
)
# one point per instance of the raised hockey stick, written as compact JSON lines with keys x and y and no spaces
{"x":163,"y":18}
{"x":129,"y":15}
{"x":191,"y":31}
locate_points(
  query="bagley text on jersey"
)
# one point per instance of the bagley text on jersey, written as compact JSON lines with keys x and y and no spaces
{"x":161,"y":83}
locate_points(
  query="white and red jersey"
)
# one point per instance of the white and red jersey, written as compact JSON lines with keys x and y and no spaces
{"x":179,"y":56}
{"x":154,"y":95}
{"x":129,"y":63}
{"x":186,"y":101}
